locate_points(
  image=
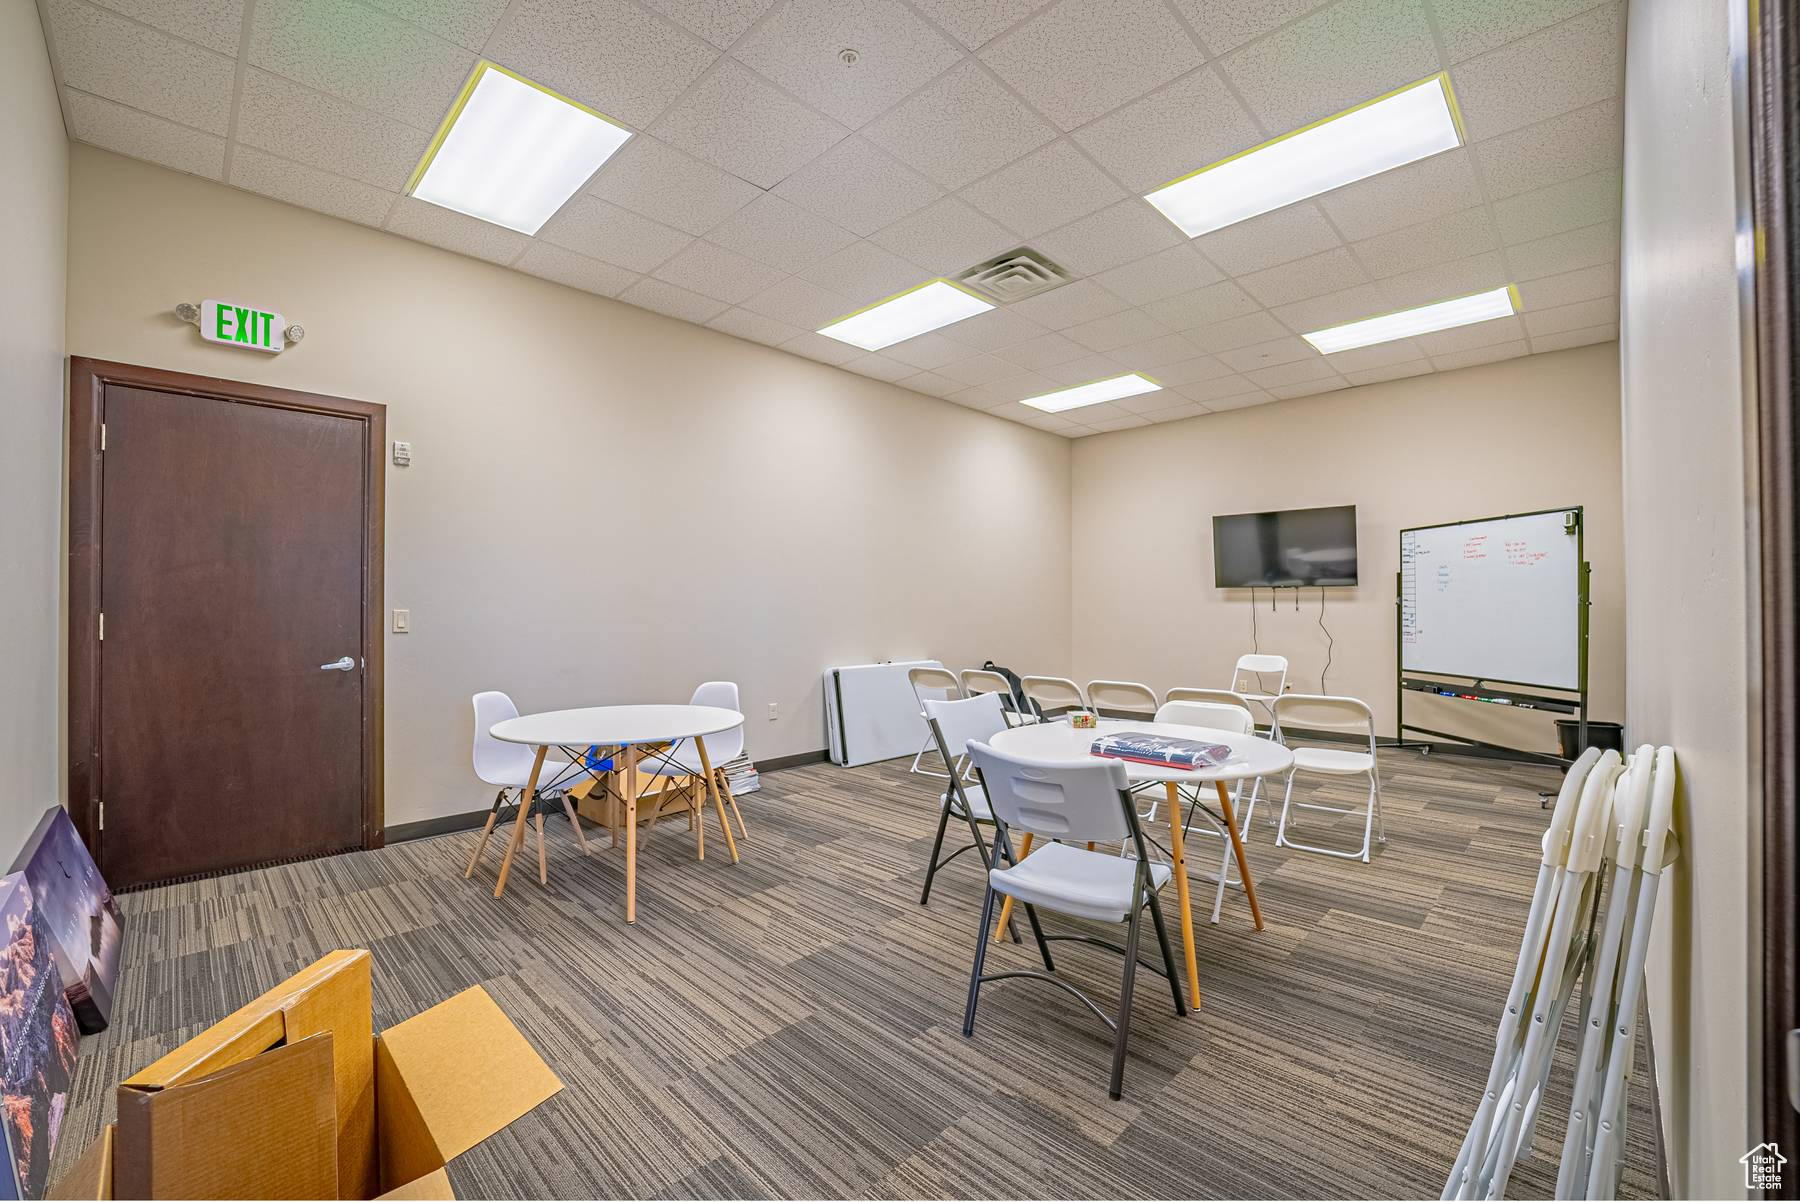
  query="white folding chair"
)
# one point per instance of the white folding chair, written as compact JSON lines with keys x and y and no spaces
{"x":1255,"y":668}
{"x":953,"y":725}
{"x":1083,"y":801}
{"x":1238,"y":701}
{"x":684,"y":760}
{"x":1052,"y":695}
{"x":1121,"y":699}
{"x":977,"y":681}
{"x":1346,"y":714}
{"x":507,"y":766}
{"x":932,"y":684}
{"x":1232,"y":719}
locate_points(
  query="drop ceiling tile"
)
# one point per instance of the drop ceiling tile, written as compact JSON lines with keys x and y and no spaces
{"x":1069,"y":305}
{"x":297,"y":123}
{"x":978,"y":369}
{"x":975,"y":23}
{"x":608,"y":54}
{"x":1191,"y":371}
{"x":1218,"y":393}
{"x":1084,"y":371}
{"x":1045,"y":189}
{"x":453,"y":231}
{"x":1589,"y":283}
{"x":1079,"y":59}
{"x":468,"y":23}
{"x":104,"y":54}
{"x":1434,"y":187}
{"x":798,"y":48}
{"x":1126,"y":421}
{"x":1290,"y":392}
{"x":721,"y":274}
{"x":1565,"y":67}
{"x":1017,"y":387}
{"x":960,"y":127}
{"x":214,"y":24}
{"x":309,"y":187}
{"x":1334,"y":309}
{"x":1440,"y":240}
{"x":1239,"y":331}
{"x":1273,"y":353}
{"x":115,"y":127}
{"x":994,"y":330}
{"x":878,"y":366}
{"x":755,"y":327}
{"x":1224,"y":25}
{"x":928,"y":352}
{"x":1261,"y":242}
{"x":932,"y":384}
{"x":1191,"y":123}
{"x":946,"y":236}
{"x":1150,"y":402}
{"x":781,"y":234}
{"x":1046,"y":350}
{"x":548,"y":261}
{"x":858,"y":186}
{"x":360,"y":55}
{"x":1203,"y":306}
{"x":1052,"y":422}
{"x":1398,"y":371}
{"x":1117,"y":234}
{"x":1553,"y":150}
{"x":1121,"y":329}
{"x":1382,"y":354}
{"x":1175,"y":413}
{"x":720,"y":22}
{"x":865,"y":273}
{"x":821,"y":348}
{"x":653,"y":179}
{"x":1570,"y":205}
{"x":803,"y":304}
{"x":1342,"y":55}
{"x":1579,"y":316}
{"x":736,"y":120}
{"x":1444,"y":281}
{"x":1180,"y":268}
{"x":1468,"y":338}
{"x":1586,"y":247}
{"x":1153,"y":354}
{"x":671,"y":301}
{"x":1569,"y":338}
{"x":1330,"y":271}
{"x":592,"y":227}
{"x":1476,"y":356}
{"x":1472,"y":27}
{"x":977,"y":397}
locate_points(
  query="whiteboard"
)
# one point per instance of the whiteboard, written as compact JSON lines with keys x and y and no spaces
{"x":1498,"y":599}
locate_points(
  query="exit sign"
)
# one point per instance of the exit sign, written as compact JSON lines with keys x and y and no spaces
{"x":244,"y":326}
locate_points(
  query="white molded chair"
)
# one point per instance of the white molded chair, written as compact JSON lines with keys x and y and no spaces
{"x":1231,"y":719}
{"x":932,"y":684}
{"x":1052,"y":695}
{"x":1082,"y":801}
{"x":953,"y":726}
{"x":1256,"y":667}
{"x":683,"y":760}
{"x":1121,"y":698}
{"x":1347,"y":714}
{"x":507,"y":766}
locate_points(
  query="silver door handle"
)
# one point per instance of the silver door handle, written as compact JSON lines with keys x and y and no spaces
{"x":343,"y":665}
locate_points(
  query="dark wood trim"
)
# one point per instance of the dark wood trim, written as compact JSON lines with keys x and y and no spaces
{"x":447,"y":824}
{"x":793,"y":761}
{"x":87,"y":381}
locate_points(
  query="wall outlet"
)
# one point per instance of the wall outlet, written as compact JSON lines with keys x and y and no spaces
{"x":774,"y":711}
{"x":402,"y":621}
{"x":402,"y":453}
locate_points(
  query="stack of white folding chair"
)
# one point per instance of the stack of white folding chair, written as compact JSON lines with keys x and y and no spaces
{"x":1611,"y":827}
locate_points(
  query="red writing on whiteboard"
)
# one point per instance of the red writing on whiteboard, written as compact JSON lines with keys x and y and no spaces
{"x":1475,"y":547}
{"x":1520,"y":554}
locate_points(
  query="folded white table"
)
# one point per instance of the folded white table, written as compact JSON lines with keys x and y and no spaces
{"x":629,"y":727}
{"x":1250,"y":757}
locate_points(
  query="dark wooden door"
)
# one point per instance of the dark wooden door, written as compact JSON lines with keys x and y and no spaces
{"x":232,"y":565}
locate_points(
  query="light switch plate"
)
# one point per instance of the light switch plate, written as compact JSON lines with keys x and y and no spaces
{"x":402,"y":621}
{"x":402,"y":453}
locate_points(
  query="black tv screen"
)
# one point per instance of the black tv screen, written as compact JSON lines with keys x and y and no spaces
{"x":1285,"y":548}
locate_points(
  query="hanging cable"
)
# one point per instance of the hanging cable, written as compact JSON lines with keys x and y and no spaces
{"x":1329,"y":643}
{"x":1253,"y":644}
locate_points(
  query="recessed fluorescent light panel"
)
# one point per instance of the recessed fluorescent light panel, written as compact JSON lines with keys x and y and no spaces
{"x":1445,"y":315}
{"x":916,"y":311}
{"x":511,"y":152}
{"x":1129,"y":384}
{"x":1379,"y":135}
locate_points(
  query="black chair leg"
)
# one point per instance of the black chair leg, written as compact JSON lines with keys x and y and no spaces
{"x":1174,"y":975}
{"x":987,"y":864}
{"x":937,"y":845}
{"x":1123,"y":1023}
{"x":1037,"y":932}
{"x":981,"y":942}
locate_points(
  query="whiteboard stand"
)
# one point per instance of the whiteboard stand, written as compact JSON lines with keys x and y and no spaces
{"x":1458,"y":583}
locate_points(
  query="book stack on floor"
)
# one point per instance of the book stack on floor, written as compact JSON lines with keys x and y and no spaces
{"x":741,"y":775}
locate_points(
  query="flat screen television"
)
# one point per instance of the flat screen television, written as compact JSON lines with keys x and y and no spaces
{"x":1285,"y":548}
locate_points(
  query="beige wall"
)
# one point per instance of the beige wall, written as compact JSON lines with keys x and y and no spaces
{"x":1526,"y":434}
{"x":1685,"y":544}
{"x":33,"y":254}
{"x":605,"y":504}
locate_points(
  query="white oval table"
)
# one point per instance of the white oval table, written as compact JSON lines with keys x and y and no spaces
{"x":628,"y":727}
{"x":1059,"y":742}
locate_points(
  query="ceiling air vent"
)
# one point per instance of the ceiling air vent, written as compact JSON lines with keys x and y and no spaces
{"x":1014,"y":276}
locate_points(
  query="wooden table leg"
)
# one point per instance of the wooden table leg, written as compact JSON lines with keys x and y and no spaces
{"x":1006,"y":904}
{"x":1178,"y":856}
{"x":1237,"y":849}
{"x":712,"y":788}
{"x":518,"y":832}
{"x":631,"y":791}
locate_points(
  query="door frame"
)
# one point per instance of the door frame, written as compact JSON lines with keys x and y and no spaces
{"x":88,"y":379}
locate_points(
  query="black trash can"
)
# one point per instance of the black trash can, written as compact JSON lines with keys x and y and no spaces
{"x":1607,"y":736}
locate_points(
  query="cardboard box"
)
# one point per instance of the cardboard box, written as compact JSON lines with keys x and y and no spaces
{"x":293,"y":1096}
{"x":599,"y":805}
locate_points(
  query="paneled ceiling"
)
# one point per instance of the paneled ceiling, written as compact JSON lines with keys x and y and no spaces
{"x":771,"y":187}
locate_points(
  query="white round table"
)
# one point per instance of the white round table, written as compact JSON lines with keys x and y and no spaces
{"x":628,"y":727}
{"x":1057,"y":741}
